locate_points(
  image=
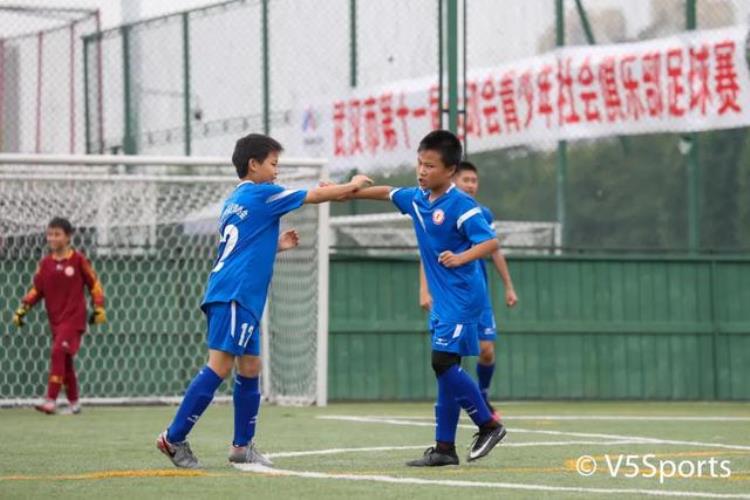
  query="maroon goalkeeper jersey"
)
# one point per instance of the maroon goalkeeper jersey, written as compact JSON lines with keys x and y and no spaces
{"x":60,"y":283}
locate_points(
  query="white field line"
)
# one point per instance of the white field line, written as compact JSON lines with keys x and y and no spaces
{"x":633,"y":439}
{"x":259,"y":469}
{"x":624,"y":418}
{"x":334,"y":451}
{"x":525,"y":444}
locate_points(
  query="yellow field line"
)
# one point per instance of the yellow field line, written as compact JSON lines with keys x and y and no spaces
{"x":114,"y":474}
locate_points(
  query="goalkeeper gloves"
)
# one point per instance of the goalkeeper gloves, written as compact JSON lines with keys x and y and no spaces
{"x":19,"y":314}
{"x":98,"y":316}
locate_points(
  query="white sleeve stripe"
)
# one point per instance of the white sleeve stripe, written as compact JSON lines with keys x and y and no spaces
{"x":393,"y":191}
{"x":419,"y":215}
{"x":281,"y":195}
{"x":493,"y":226}
{"x":471,"y":213}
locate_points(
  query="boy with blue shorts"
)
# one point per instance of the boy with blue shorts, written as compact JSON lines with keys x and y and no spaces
{"x":467,"y":180}
{"x":236,"y":295}
{"x":452,"y":235}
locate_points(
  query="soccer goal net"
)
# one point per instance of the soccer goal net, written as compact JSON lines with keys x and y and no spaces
{"x":392,"y":234}
{"x":149,"y":225}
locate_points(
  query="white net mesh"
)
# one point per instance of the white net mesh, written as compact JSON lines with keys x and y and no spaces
{"x":150,"y":232}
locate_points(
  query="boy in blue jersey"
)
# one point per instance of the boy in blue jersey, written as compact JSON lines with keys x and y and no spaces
{"x":236,"y":295}
{"x":467,"y":180}
{"x":452,"y":236}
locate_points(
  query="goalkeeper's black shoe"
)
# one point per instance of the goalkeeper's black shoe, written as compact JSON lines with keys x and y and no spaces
{"x":434,"y":458}
{"x":485,"y":440}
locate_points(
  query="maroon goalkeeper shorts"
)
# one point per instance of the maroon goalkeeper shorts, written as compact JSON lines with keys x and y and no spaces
{"x":66,"y":338}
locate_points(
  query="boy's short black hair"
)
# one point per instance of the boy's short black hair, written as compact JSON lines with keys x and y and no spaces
{"x":61,"y":223}
{"x":444,"y":142}
{"x":253,"y":147}
{"x":466,"y":166}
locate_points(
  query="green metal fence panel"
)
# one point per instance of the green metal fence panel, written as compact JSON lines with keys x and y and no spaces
{"x":607,"y":327}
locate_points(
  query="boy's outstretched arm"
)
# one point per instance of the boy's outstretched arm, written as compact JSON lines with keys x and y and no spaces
{"x":450,"y":259}
{"x":381,"y":193}
{"x":337,"y":192}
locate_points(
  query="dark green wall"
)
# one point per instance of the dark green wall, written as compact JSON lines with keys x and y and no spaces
{"x":609,"y":327}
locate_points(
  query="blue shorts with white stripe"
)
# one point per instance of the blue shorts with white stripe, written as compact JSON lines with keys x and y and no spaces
{"x":458,"y":338}
{"x":232,"y":329}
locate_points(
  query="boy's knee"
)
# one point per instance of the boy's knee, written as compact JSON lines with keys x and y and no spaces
{"x":487,"y":353}
{"x":221,"y":363}
{"x":443,"y":361}
{"x":249,"y":366}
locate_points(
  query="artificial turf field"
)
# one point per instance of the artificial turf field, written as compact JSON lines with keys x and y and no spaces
{"x":358,"y":450}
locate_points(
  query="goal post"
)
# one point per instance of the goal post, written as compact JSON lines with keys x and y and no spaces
{"x":149,"y":226}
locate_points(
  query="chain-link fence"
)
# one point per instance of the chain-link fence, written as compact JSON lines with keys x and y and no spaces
{"x":41,"y":87}
{"x":244,"y":65}
{"x":622,"y":193}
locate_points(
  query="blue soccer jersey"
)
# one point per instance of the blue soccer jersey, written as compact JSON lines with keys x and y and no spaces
{"x":249,"y":232}
{"x":452,"y":222}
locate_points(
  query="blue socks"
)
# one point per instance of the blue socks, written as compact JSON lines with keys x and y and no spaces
{"x":467,"y":394}
{"x":447,"y":412}
{"x":484,"y":377}
{"x":197,"y":398}
{"x":246,"y":404}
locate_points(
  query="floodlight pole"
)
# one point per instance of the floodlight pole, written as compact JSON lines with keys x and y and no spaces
{"x":562,"y":146}
{"x":693,"y":165}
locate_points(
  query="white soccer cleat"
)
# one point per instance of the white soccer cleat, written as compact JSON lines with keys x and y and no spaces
{"x":248,"y":455}
{"x":48,"y":407}
{"x":179,"y":453}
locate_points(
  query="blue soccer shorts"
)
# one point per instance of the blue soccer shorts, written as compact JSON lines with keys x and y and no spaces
{"x":487,"y":326}
{"x":232,"y":329}
{"x":458,"y":338}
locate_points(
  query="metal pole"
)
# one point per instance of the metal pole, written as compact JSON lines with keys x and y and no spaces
{"x":562,"y":146}
{"x":585,"y":23}
{"x":72,"y":83}
{"x":452,"y":65}
{"x":352,"y":43}
{"x":464,"y":110}
{"x":128,"y":141}
{"x":186,"y":80}
{"x":86,"y":104}
{"x":693,"y":166}
{"x":266,"y":80}
{"x":2,"y":94}
{"x":39,"y":56}
{"x":99,"y":83}
{"x":440,"y":61}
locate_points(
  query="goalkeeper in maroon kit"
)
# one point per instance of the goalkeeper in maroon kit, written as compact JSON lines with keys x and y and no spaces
{"x":60,"y":279}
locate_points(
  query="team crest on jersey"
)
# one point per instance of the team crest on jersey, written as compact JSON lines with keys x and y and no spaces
{"x":438,"y":216}
{"x":69,"y":271}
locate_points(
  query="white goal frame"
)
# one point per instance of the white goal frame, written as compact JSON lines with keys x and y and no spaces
{"x":22,"y":166}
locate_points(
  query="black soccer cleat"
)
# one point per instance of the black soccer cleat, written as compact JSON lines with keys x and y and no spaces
{"x":434,"y":458}
{"x":485,"y":441}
